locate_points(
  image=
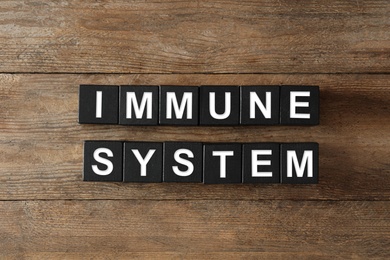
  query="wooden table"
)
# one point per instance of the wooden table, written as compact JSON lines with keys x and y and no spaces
{"x":49,"y":48}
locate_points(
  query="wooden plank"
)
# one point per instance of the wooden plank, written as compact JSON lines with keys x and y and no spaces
{"x":195,"y":36}
{"x":168,"y":255}
{"x":41,"y":152}
{"x":195,"y":229}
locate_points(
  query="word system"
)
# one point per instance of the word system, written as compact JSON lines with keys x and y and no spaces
{"x":209,"y":163}
{"x":204,"y":105}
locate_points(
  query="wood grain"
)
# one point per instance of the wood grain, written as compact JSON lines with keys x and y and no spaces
{"x":49,"y":48}
{"x":195,"y":36}
{"x":194,"y":229}
{"x":41,"y":142}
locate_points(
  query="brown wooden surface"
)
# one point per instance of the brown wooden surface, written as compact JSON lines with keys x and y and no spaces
{"x":196,"y":229}
{"x":49,"y":48}
{"x":195,"y":36}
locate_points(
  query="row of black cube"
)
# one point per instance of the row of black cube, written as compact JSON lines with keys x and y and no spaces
{"x":203,"y":105}
{"x":209,"y":163}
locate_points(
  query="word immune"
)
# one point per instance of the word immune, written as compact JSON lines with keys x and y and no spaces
{"x":204,"y":105}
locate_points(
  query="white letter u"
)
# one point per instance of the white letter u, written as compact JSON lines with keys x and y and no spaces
{"x":225,"y":114}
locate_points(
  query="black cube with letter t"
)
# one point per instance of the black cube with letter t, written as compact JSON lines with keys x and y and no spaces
{"x":222,"y":163}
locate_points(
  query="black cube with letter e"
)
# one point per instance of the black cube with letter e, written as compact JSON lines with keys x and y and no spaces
{"x":299,"y":105}
{"x":261,"y":163}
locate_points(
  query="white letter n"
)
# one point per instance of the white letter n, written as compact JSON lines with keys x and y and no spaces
{"x":255,"y":100}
